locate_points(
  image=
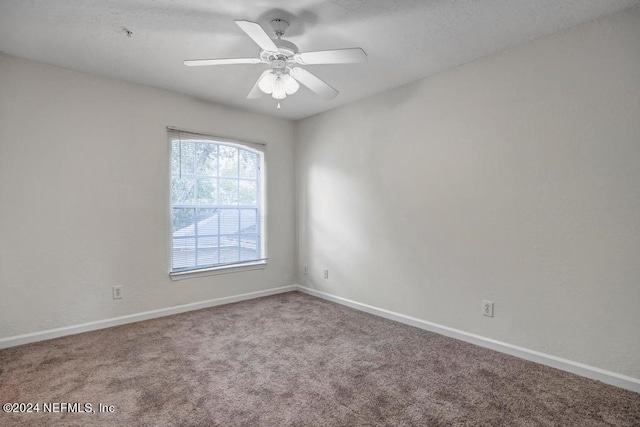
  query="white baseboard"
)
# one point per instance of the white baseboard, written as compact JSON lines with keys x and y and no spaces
{"x":107,"y":323}
{"x":608,"y":377}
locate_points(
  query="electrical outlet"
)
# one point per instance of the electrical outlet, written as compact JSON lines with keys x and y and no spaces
{"x":487,"y":308}
{"x":326,"y":274}
{"x":117,"y":292}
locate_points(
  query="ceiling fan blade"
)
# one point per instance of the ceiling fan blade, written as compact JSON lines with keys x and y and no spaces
{"x":258,"y":35}
{"x":222,"y":61}
{"x":313,"y":83}
{"x":255,"y":92}
{"x":336,"y":56}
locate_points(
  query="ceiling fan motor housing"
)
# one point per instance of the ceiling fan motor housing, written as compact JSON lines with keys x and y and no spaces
{"x":286,"y":51}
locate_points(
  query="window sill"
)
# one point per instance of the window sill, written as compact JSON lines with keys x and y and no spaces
{"x":181,"y":275}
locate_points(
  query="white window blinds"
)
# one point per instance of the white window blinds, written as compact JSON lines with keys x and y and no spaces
{"x":217,"y":200}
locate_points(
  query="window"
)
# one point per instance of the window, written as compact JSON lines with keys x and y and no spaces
{"x":217,"y":217}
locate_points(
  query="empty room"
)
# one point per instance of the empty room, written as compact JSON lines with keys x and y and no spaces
{"x":320,"y":213}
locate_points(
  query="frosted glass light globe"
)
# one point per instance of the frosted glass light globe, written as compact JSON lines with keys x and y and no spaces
{"x":267,"y":83}
{"x":291,"y":86}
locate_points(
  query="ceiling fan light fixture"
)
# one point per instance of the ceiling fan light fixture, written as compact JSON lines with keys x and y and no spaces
{"x":278,"y":85}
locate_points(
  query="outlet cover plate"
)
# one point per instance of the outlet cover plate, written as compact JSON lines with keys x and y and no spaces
{"x":487,"y":308}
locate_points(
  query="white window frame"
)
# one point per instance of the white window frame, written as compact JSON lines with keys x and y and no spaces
{"x":260,"y":148}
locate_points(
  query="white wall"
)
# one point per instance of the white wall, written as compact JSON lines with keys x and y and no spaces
{"x":84,"y":197}
{"x":515,"y":178}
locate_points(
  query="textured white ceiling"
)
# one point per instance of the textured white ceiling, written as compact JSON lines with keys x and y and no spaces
{"x":405,"y":39}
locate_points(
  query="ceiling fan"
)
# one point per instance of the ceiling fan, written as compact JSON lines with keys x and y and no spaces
{"x":284,"y":60}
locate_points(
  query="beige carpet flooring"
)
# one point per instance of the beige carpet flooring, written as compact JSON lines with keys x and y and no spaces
{"x":292,"y":359}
